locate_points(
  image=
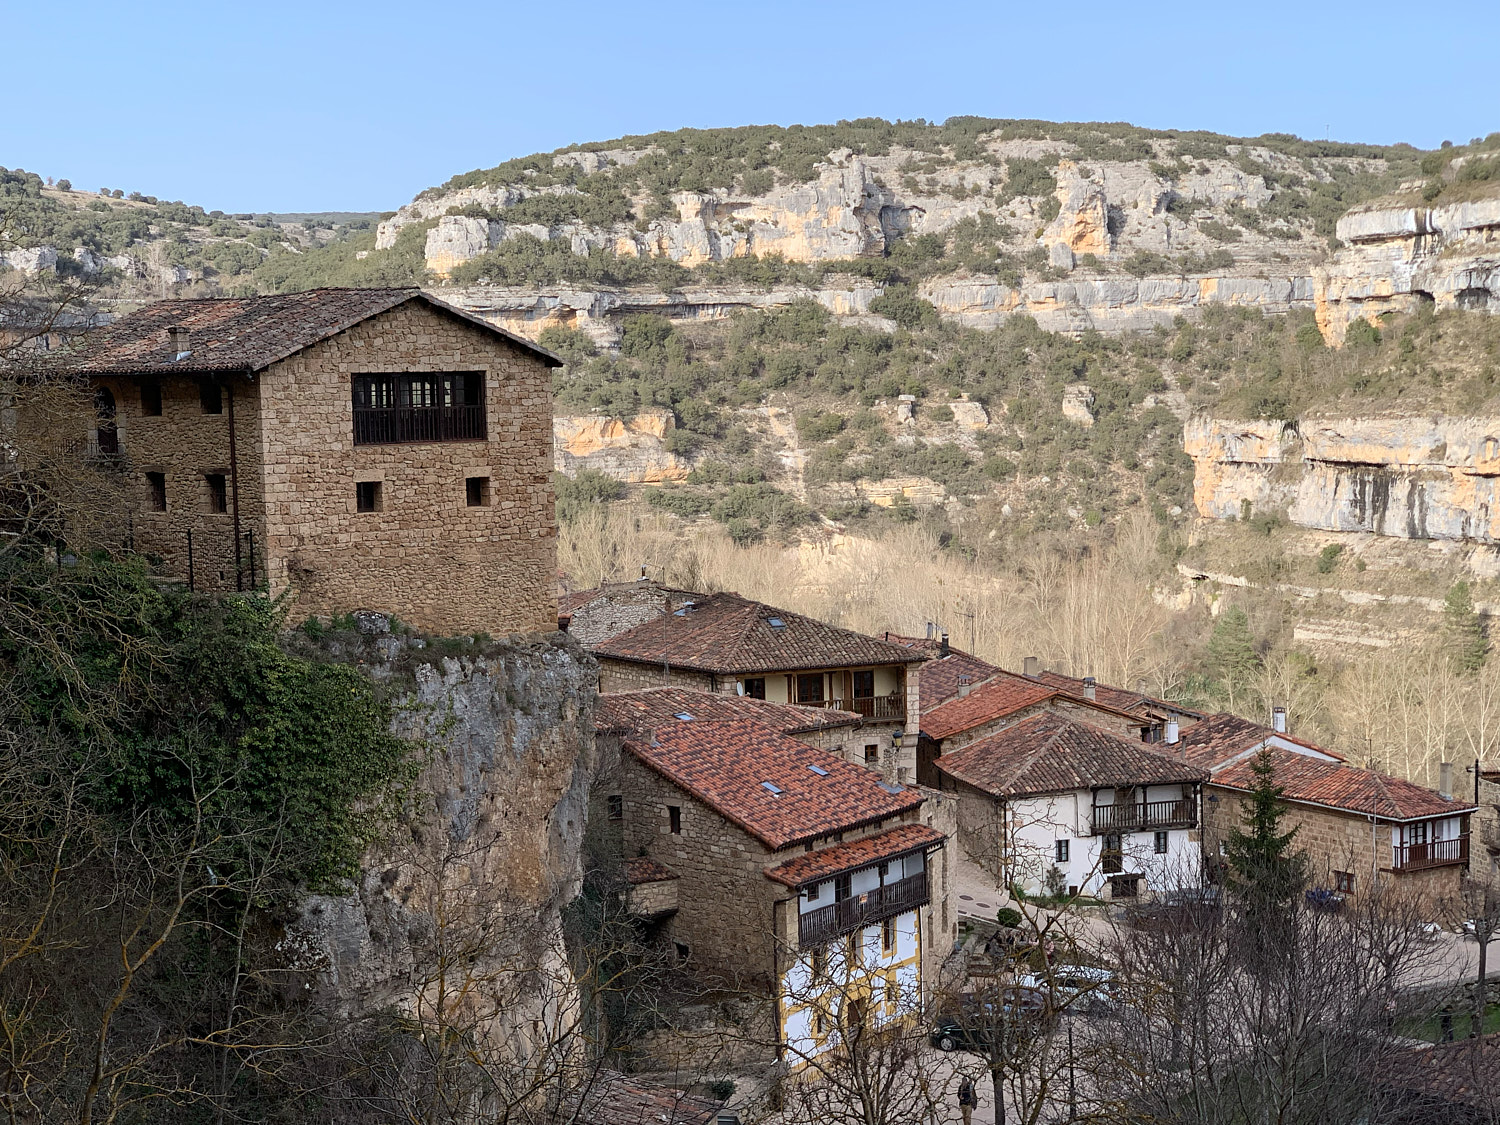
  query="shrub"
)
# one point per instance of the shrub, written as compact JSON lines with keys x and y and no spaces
{"x":679,"y":502}
{"x":1361,"y":333}
{"x":1144,"y":262}
{"x":1328,"y":557}
{"x":586,"y":488}
{"x":64,"y":185}
{"x":940,"y":413}
{"x":901,"y":304}
{"x":1008,"y":916}
{"x":817,"y":425}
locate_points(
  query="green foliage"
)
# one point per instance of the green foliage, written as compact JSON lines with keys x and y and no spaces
{"x":1025,"y":176}
{"x":940,"y":413}
{"x":569,"y":344}
{"x":1265,"y":869}
{"x":582,"y":491}
{"x":1328,"y":557}
{"x":1145,"y":262}
{"x":1362,"y":334}
{"x":819,"y":425}
{"x":679,"y":501}
{"x":339,"y":263}
{"x":901,"y":304}
{"x":1466,"y":641}
{"x":1232,"y":656}
{"x":1221,"y":232}
{"x":1008,"y":916}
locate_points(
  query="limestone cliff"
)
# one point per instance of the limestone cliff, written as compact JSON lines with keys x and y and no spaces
{"x":630,"y":450}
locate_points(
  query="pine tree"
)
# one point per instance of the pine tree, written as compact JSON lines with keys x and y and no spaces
{"x":1265,"y":870}
{"x":1231,"y":653}
{"x":1466,"y":642}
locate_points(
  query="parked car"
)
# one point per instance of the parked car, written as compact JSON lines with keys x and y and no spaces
{"x":972,"y":1026}
{"x":1075,"y":987}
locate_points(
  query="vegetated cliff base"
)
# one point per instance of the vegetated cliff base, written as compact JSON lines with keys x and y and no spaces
{"x":489,"y":847}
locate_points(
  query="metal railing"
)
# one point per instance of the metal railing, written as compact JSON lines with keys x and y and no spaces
{"x":1434,"y":853}
{"x":817,"y":926}
{"x":388,"y":425}
{"x":1134,"y":817}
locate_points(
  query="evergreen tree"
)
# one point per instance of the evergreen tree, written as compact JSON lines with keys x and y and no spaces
{"x":1231,"y":653}
{"x":1466,"y":642}
{"x":1265,"y":870}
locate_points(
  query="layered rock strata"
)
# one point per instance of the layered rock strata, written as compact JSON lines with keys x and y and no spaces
{"x":630,"y":450}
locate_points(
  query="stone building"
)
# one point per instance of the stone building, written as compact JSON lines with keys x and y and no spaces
{"x":1359,"y":828}
{"x":360,"y":448}
{"x":758,"y":857}
{"x":1059,"y":805}
{"x":644,"y":635}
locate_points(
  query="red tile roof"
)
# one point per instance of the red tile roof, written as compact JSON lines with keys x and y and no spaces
{"x":726,"y":765}
{"x":645,"y":710}
{"x":1342,"y":786}
{"x":825,"y":863}
{"x":251,"y":333}
{"x":1051,"y":753}
{"x":1003,"y":695}
{"x":728,"y":634}
{"x":614,"y":1099}
{"x":941,"y":674}
{"x":1437,"y":1080}
{"x":1121,"y":699}
{"x":643,"y":869}
{"x":1216,"y":739}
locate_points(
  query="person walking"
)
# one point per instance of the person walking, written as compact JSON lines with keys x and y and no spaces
{"x":967,"y":1100}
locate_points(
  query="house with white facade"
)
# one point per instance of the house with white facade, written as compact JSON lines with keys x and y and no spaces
{"x":1057,"y":805}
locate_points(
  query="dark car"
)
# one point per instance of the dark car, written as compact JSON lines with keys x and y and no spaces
{"x":976,"y":1022}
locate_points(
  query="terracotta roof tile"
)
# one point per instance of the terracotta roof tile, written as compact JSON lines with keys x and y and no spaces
{"x":1004,"y":694}
{"x":614,"y":1099}
{"x":827,"y":862}
{"x":1217,"y":739}
{"x":645,"y":710}
{"x":941,"y":674}
{"x":725,"y":633}
{"x":251,"y":333}
{"x":1342,"y":786}
{"x":1051,"y":753}
{"x":643,"y":869}
{"x":1121,"y":699}
{"x":811,"y":792}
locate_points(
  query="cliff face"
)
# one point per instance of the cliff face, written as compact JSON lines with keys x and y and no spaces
{"x":1401,"y":254}
{"x":631,"y":450}
{"x":1409,"y":477}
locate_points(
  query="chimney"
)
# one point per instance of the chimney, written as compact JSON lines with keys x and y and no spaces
{"x":965,"y":685}
{"x":1089,"y":685}
{"x":1033,"y":667}
{"x":1140,"y":687}
{"x":1173,"y":731}
{"x":1278,"y":719}
{"x":929,"y":630}
{"x":179,"y":340}
{"x":1445,"y":781}
{"x":943,"y":648}
{"x":642,"y":578}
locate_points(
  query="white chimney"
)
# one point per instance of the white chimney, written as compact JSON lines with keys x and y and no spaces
{"x":1033,"y":667}
{"x":1089,"y":685}
{"x":1173,"y":731}
{"x":1278,"y":719}
{"x":1445,"y":781}
{"x":965,"y":685}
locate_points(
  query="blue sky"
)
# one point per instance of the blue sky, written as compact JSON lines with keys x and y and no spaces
{"x":341,"y":106}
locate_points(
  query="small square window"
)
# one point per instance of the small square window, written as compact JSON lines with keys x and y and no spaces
{"x":477,"y":492}
{"x":674,"y":819}
{"x":218,"y":496}
{"x":812,"y":893}
{"x":616,"y":807}
{"x":1343,"y":882}
{"x":1062,"y":850}
{"x":151,"y":398}
{"x":1161,"y":843}
{"x":156,"y":485}
{"x":872,"y":755}
{"x":211,"y":397}
{"x":367,"y":496}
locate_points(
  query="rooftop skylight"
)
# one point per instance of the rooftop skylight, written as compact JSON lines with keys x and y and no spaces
{"x":683,"y":716}
{"x":819,"y":770}
{"x":773,"y":787}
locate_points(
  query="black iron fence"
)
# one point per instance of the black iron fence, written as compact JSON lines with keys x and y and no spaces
{"x":388,"y":425}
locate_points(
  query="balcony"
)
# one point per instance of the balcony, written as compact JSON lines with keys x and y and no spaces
{"x":390,"y":425}
{"x":1145,"y":817}
{"x":1434,"y":853}
{"x":881,"y":708}
{"x":818,"y":926}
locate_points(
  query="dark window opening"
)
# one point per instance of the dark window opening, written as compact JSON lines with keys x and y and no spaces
{"x":674,"y":819}
{"x":367,"y":496}
{"x":872,"y":755}
{"x":616,"y":807}
{"x":477,"y":492}
{"x":810,"y":688}
{"x":211,"y":397}
{"x":419,"y":406}
{"x":218,"y":495}
{"x":755,"y":687}
{"x":812,"y":893}
{"x":1343,"y":882}
{"x":156,"y":484}
{"x":1161,"y":843}
{"x":683,"y":952}
{"x":151,"y":399}
{"x":1062,"y":850}
{"x":841,"y":889}
{"x":888,"y":935}
{"x":1153,"y":733}
{"x":105,"y":425}
{"x":1112,"y":861}
{"x":864,"y":685}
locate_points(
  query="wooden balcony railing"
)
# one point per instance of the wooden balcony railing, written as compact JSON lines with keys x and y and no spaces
{"x":1435,"y":853}
{"x":817,"y":926}
{"x":387,"y":425}
{"x":1145,"y":817}
{"x":879,"y":708}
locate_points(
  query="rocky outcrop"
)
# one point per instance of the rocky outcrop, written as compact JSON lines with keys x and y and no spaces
{"x":1082,"y":223}
{"x":633,"y":450}
{"x":493,"y":828}
{"x":1401,"y":254}
{"x":1410,"y":477}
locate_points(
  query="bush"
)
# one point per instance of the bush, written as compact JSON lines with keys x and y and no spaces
{"x":817,"y":425}
{"x":1328,"y":557}
{"x":940,"y":413}
{"x":577,"y":493}
{"x":901,"y":304}
{"x":1361,"y":333}
{"x":1144,"y":262}
{"x":679,"y":502}
{"x":64,"y":185}
{"x":1009,"y":917}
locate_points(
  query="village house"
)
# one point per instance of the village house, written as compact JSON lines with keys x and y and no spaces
{"x":360,"y":448}
{"x":644,"y":635}
{"x":760,"y":859}
{"x":1057,"y":805}
{"x":1360,"y":828}
{"x":946,"y":670}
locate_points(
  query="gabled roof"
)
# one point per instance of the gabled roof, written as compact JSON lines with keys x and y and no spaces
{"x":1003,"y":694}
{"x":1121,"y":699}
{"x":252,"y":333}
{"x":728,"y":634}
{"x":640,"y":869}
{"x":1051,"y":753}
{"x":1219,"y":739}
{"x":825,"y":863}
{"x":1339,"y":785}
{"x":812,"y":793}
{"x":941,"y":674}
{"x":614,"y":1099}
{"x":645,"y":710}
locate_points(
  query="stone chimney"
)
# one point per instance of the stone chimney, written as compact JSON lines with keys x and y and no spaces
{"x":1445,"y":781}
{"x":1278,"y":719}
{"x":1089,"y":687}
{"x":643,"y":577}
{"x":1033,"y":667}
{"x":1174,"y":731}
{"x":965,"y":685}
{"x":180,"y":340}
{"x":930,"y":627}
{"x":943,"y":649}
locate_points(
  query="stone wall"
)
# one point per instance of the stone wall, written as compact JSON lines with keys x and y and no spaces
{"x":623,"y":675}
